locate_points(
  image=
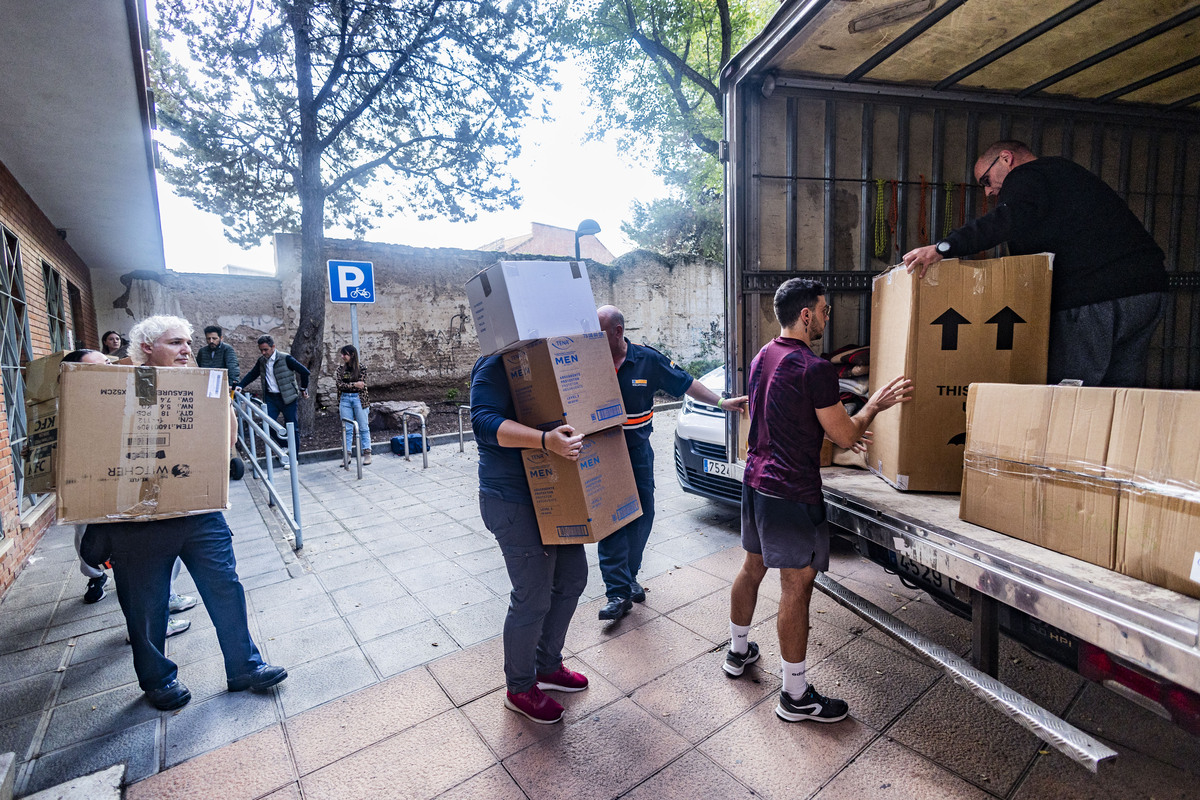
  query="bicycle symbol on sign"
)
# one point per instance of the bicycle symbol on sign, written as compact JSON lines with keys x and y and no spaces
{"x":361,"y":292}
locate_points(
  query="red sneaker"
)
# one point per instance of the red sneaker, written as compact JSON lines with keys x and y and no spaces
{"x":562,"y":680}
{"x":535,"y":705}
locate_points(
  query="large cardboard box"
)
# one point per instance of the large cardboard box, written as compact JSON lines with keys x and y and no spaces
{"x":514,"y":303}
{"x":583,"y":501}
{"x":565,"y":380}
{"x":965,"y":322}
{"x":1155,"y":455}
{"x":1111,"y":476}
{"x":142,"y":443}
{"x":41,"y":417}
{"x":1036,"y":467}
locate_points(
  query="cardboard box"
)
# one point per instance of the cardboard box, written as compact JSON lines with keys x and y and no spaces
{"x":41,"y":422}
{"x":1036,"y":467}
{"x":1111,"y":476}
{"x":142,"y":443}
{"x":583,"y":501}
{"x":567,"y":379}
{"x":514,"y":303}
{"x":1155,"y":454}
{"x":963,"y":323}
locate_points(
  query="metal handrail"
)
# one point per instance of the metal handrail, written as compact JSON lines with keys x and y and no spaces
{"x":253,"y":423}
{"x":357,"y":447}
{"x":404,"y":415}
{"x":461,"y":439}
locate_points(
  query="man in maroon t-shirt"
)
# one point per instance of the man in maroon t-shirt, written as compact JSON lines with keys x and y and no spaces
{"x":794,"y":404}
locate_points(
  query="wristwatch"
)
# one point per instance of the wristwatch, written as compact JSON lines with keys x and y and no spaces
{"x":943,"y":248}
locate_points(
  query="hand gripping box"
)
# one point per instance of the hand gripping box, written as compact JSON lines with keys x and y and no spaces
{"x":565,"y":380}
{"x":515,"y":302}
{"x":965,"y":322}
{"x":142,"y":443}
{"x":583,"y":501}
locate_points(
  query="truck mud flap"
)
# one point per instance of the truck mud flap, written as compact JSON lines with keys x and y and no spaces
{"x":1062,"y":736}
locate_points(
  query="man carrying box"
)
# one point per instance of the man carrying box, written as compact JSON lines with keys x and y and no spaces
{"x":641,"y":372}
{"x":143,"y":553}
{"x":795,"y":404}
{"x":546,"y":579}
{"x":1109,"y":279}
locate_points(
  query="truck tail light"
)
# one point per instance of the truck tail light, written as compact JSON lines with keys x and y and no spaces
{"x":1168,"y":700}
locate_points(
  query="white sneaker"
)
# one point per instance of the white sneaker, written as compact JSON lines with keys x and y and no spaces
{"x":176,"y":626}
{"x":181,"y":602}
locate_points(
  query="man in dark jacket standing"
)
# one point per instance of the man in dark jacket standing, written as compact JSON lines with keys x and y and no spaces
{"x":218,"y":355}
{"x":278,"y":371}
{"x":1109,"y":282}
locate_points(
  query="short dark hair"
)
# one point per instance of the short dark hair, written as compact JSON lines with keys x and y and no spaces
{"x":75,"y":356}
{"x":213,"y":329}
{"x":794,"y":296}
{"x":265,"y":339}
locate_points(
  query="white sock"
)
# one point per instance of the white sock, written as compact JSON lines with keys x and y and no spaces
{"x":794,"y":682}
{"x":739,"y":638}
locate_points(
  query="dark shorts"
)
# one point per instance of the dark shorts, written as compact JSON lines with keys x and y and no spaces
{"x":788,"y":535}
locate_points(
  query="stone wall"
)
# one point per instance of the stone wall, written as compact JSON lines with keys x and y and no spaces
{"x":420,"y":333}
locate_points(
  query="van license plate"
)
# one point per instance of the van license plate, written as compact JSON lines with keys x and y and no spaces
{"x":722,"y":468}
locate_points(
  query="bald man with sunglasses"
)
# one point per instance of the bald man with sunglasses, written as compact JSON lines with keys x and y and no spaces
{"x":1109,"y":285}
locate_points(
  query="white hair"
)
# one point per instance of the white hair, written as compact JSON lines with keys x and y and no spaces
{"x":149,"y":330}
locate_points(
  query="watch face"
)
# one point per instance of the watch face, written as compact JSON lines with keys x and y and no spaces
{"x":943,"y":247}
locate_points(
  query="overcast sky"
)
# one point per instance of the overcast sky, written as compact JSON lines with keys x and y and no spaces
{"x":563,"y":180}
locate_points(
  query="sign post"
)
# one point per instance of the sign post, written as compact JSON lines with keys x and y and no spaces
{"x":352,"y":282}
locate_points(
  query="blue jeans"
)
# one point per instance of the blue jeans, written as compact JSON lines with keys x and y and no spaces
{"x":275,"y":407}
{"x":546,"y":583}
{"x":350,"y":407}
{"x":143,"y":554}
{"x":621,"y":551}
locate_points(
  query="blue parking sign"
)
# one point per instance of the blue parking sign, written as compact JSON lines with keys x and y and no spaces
{"x":351,"y":282}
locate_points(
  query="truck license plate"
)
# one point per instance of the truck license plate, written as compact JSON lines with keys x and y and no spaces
{"x":722,"y":468}
{"x":925,"y":573}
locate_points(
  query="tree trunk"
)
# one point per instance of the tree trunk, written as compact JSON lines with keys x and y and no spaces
{"x":310,"y":331}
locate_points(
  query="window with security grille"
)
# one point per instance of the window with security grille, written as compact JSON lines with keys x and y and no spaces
{"x":56,"y":313}
{"x":75,"y":300}
{"x":16,"y":348}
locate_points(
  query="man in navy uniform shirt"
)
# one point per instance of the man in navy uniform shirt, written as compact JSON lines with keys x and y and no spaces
{"x":641,"y":372}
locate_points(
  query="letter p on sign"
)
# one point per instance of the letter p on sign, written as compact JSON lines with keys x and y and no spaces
{"x":351,"y":282}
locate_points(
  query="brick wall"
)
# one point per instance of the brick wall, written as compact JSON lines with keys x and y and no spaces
{"x":40,"y":244}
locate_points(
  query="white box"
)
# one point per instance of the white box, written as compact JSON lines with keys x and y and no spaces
{"x":515,"y":303}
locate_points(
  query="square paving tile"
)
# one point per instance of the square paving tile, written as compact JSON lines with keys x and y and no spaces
{"x":24,"y":663}
{"x":124,"y":707}
{"x":687,"y":778}
{"x":471,"y":673}
{"x":407,"y":648}
{"x":876,"y":683}
{"x":694,"y":712}
{"x":1130,"y":774}
{"x":387,"y":617}
{"x":641,"y":655}
{"x":405,"y":765}
{"x":454,"y":596}
{"x":329,"y":732}
{"x":316,"y":682}
{"x":764,"y":753}
{"x":19,"y":697}
{"x":17,"y":734}
{"x":600,"y":756}
{"x":96,"y":676}
{"x":1119,"y":720}
{"x":431,"y":575}
{"x":202,"y":726}
{"x":135,"y":747}
{"x":477,"y":622}
{"x":307,"y":644}
{"x":890,"y":771}
{"x":494,"y":784}
{"x":709,"y":616}
{"x":247,"y":769}
{"x":678,"y":587}
{"x":351,"y":574}
{"x":299,"y":613}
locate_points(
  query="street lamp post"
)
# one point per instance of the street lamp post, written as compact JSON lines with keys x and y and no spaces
{"x":589,"y":227}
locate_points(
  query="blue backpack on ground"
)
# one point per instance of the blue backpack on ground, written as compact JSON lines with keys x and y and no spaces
{"x":414,"y":444}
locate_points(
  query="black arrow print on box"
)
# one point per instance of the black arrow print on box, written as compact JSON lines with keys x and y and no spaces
{"x":1005,"y":321}
{"x":950,"y":321}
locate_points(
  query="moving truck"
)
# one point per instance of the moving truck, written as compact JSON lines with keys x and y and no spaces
{"x":851,"y":130}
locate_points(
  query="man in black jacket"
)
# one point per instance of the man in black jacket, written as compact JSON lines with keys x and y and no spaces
{"x":1109,"y":284}
{"x":218,"y":355}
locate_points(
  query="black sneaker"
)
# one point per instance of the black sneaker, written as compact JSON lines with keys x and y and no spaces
{"x":811,"y":705}
{"x":615,"y":608}
{"x":735,"y":663}
{"x":95,"y":590}
{"x":638,"y":594}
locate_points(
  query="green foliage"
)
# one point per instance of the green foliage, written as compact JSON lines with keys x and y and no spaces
{"x":451,"y":394}
{"x":349,"y":109}
{"x":702,"y":366}
{"x":653,"y":74}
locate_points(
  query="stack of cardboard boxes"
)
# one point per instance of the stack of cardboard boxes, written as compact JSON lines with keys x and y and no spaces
{"x":541,"y":316}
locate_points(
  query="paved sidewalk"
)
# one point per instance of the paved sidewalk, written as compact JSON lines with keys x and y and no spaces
{"x":388,"y":624}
